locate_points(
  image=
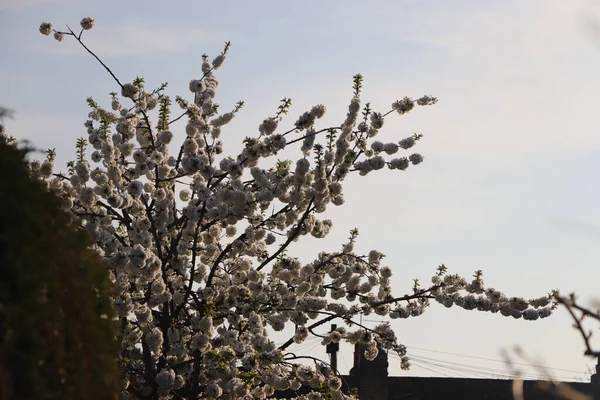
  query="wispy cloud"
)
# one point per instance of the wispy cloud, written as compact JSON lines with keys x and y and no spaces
{"x":18,"y":5}
{"x":535,"y":28}
{"x":521,"y":71}
{"x":576,"y":226}
{"x":133,"y":40}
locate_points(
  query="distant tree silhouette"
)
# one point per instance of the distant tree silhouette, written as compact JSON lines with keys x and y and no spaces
{"x":5,"y":113}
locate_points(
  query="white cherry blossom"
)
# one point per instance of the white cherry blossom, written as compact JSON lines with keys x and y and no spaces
{"x":195,"y":240}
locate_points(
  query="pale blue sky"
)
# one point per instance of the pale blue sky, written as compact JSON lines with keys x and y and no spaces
{"x":511,"y":150}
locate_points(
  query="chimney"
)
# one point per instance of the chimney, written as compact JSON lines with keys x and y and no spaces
{"x":371,"y":377}
{"x":362,"y":366}
{"x":332,"y":349}
{"x":356,"y":355}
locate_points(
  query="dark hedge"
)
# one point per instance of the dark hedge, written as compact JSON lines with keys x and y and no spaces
{"x":56,"y":318}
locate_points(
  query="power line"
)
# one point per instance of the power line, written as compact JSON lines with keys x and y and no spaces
{"x":431,"y":370}
{"x":473,"y":369}
{"x":308,"y":342}
{"x":313,"y":342}
{"x":477,"y":367}
{"x":479,"y":386}
{"x":308,"y":346}
{"x":501,"y":361}
{"x":460,"y":368}
{"x":344,"y":361}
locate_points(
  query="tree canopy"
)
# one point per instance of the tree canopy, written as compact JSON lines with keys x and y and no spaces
{"x":196,"y":241}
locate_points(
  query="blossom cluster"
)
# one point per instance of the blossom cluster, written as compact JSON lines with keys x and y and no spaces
{"x":196,"y":241}
{"x":454,"y":290}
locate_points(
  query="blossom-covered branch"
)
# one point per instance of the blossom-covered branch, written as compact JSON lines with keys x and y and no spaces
{"x":197,"y":242}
